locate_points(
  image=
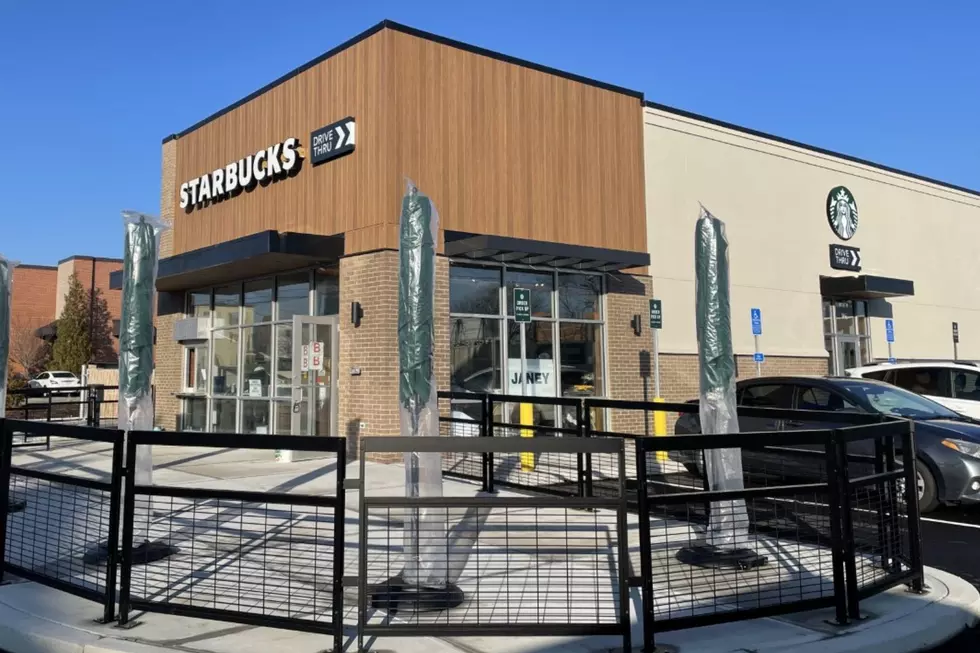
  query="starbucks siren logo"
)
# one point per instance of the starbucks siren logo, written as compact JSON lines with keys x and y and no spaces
{"x":842,"y":212}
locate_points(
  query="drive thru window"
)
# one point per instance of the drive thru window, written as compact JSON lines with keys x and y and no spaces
{"x":846,"y":335}
{"x":246,"y":375}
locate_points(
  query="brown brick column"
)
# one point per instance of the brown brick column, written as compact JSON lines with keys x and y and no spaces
{"x":167,"y":354}
{"x":626,"y":296}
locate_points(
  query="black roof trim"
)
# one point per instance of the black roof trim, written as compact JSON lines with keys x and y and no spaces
{"x":812,"y":148}
{"x":485,"y":247}
{"x":259,"y":254}
{"x":32,"y":266}
{"x":83,"y":257}
{"x":398,"y":27}
{"x":865,"y":286}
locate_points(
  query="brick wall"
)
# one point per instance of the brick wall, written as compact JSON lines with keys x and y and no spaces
{"x":168,"y":354}
{"x":32,"y":305}
{"x":626,"y":296}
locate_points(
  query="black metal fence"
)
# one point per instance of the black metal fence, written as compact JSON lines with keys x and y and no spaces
{"x":517,"y":565}
{"x":60,"y":528}
{"x":92,"y":405}
{"x":267,"y":558}
{"x":825,"y":517}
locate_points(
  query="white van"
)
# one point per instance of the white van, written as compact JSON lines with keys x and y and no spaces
{"x":954,"y":385}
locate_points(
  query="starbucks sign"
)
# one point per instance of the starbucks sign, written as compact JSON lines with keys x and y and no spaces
{"x":842,"y":212}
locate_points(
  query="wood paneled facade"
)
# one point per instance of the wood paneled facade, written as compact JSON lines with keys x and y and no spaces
{"x":502,"y":148}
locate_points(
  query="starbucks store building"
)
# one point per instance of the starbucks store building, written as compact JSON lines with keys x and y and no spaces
{"x":278,"y":282}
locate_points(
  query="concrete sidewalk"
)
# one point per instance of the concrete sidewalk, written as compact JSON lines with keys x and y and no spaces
{"x":35,"y":618}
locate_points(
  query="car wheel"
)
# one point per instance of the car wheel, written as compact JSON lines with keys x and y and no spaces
{"x":926,"y":488}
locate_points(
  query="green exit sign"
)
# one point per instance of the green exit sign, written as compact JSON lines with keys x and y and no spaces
{"x":522,"y":305}
{"x":656,"y":314}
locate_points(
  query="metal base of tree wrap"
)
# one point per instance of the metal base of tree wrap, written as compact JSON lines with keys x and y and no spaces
{"x":714,"y":557}
{"x":396,"y":595}
{"x":143,"y":554}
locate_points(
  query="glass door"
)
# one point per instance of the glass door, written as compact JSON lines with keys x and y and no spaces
{"x":848,"y":353}
{"x":314,"y":376}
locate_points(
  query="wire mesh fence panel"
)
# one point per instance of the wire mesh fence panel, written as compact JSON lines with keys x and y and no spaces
{"x":270,"y":560}
{"x":270,"y":557}
{"x":509,"y":564}
{"x":61,"y":508}
{"x":463,"y":416}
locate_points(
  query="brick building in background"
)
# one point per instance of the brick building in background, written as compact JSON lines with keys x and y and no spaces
{"x":39,"y":297}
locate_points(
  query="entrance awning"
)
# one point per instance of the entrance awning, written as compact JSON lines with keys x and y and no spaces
{"x":865,"y":286}
{"x":263,"y":253}
{"x":503,"y":249}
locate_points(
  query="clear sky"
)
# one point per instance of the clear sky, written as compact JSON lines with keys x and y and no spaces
{"x":90,"y":88}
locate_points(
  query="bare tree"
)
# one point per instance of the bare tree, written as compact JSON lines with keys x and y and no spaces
{"x":27,"y":351}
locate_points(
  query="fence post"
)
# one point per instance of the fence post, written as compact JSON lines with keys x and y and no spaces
{"x":847,"y":532}
{"x":97,"y":405}
{"x":112,"y":544}
{"x":646,"y":562}
{"x":6,"y":453}
{"x":587,"y":432}
{"x":489,"y":433}
{"x":582,"y":432}
{"x":912,"y":507}
{"x":339,"y":525}
{"x":129,"y":508}
{"x":836,"y":538}
{"x":622,"y":524}
{"x":884,"y":541}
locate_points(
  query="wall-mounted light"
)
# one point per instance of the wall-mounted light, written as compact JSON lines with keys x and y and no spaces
{"x":356,"y":314}
{"x":637,"y":324}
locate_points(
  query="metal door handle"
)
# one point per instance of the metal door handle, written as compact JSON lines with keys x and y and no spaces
{"x":296,"y":406}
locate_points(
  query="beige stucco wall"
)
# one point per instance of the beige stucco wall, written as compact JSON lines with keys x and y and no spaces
{"x":772,"y":197}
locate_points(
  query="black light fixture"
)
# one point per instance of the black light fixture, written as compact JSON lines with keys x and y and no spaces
{"x":637,"y":324}
{"x":356,"y":314}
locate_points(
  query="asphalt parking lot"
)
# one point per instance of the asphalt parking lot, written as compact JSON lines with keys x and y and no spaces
{"x":951,"y":542}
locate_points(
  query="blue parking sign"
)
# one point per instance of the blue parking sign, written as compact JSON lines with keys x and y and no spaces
{"x":756,"y":315}
{"x":890,"y":330}
{"x":759,"y":357}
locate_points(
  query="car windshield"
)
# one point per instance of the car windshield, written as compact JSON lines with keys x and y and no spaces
{"x":890,"y":400}
{"x":63,"y":375}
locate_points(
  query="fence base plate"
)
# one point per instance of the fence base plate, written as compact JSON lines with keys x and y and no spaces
{"x":143,"y":554}
{"x":706,"y":555}
{"x":16,"y":506}
{"x":396,"y":595}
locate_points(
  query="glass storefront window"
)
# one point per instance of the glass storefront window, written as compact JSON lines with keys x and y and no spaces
{"x":256,"y":360}
{"x":578,"y":296}
{"x":284,"y":417}
{"x":540,"y":358}
{"x":194,"y":416}
{"x":474,"y":290}
{"x":326,"y":292}
{"x":284,"y":359}
{"x":255,"y":417}
{"x":474,"y":354}
{"x":199,"y":303}
{"x":580,"y":346}
{"x":224,"y":368}
{"x":227,"y":305}
{"x":196,"y":373}
{"x":257,"y":305}
{"x":293,"y":295}
{"x":541,"y":285}
{"x":223,"y":415}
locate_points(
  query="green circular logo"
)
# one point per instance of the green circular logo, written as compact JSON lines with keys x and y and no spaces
{"x":842,"y":212}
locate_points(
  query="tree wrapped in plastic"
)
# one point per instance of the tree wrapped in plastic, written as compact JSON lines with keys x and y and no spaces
{"x":6,"y":293}
{"x":423,"y":583}
{"x":727,"y":532}
{"x":141,"y":247}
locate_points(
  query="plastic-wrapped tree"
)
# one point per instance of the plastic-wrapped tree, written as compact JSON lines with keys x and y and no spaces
{"x":141,"y":248}
{"x":423,"y":583}
{"x":727,"y":534}
{"x":6,"y":293}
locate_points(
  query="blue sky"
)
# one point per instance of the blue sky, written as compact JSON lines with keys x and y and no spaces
{"x":89,"y":89}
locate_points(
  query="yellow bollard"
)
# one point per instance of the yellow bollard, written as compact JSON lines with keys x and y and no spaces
{"x":660,"y":427}
{"x":527,"y":419}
